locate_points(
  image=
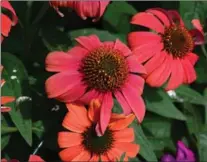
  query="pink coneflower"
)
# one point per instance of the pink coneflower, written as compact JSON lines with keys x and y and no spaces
{"x":6,"y":22}
{"x":92,"y":9}
{"x":32,"y":158}
{"x":167,"y":52}
{"x":94,"y":69}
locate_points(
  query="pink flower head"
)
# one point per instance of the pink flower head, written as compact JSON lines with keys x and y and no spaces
{"x":183,"y":154}
{"x":32,"y":158}
{"x":84,"y":9}
{"x":167,"y":52}
{"x":102,"y":70}
{"x":6,"y":22}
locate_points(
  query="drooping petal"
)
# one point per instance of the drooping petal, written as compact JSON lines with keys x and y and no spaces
{"x":122,"y":123}
{"x":94,"y":110}
{"x":176,"y":77}
{"x":137,"y":82}
{"x":61,"y":83}
{"x":89,"y":42}
{"x":122,"y":47}
{"x":134,"y":65}
{"x":136,"y":39}
{"x":106,"y":107}
{"x":94,"y":158}
{"x":70,"y":153}
{"x":147,"y":51}
{"x":83,"y":156}
{"x":183,"y":153}
{"x":160,"y":75}
{"x":124,"y":135}
{"x":175,"y":17}
{"x":192,"y":57}
{"x":168,"y":158}
{"x":148,"y":20}
{"x":35,"y":158}
{"x":103,"y":5}
{"x":76,"y":119}
{"x":6,"y":99}
{"x":88,"y":96}
{"x":130,"y":148}
{"x":6,"y":24}
{"x":135,"y":101}
{"x":198,"y":36}
{"x":69,"y":139}
{"x":162,"y":15}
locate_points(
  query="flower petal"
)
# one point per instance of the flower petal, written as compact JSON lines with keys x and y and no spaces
{"x":122,"y":47}
{"x":183,"y":153}
{"x":130,"y":148}
{"x":94,"y":158}
{"x":35,"y":158}
{"x":135,"y":101}
{"x":103,"y":5}
{"x":137,"y":82}
{"x":192,"y":57}
{"x":69,"y":139}
{"x":175,"y":17}
{"x":70,"y":153}
{"x":89,"y":42}
{"x":105,"y":115}
{"x":134,"y":65}
{"x":76,"y":119}
{"x":124,"y":135}
{"x":6,"y":99}
{"x":5,"y":109}
{"x":177,"y":74}
{"x":148,"y":20}
{"x":136,"y":39}
{"x":94,"y":110}
{"x":161,"y":15}
{"x":167,"y":158}
{"x":114,"y":154}
{"x":83,"y":156}
{"x":104,"y":158}
{"x":122,"y":123}
{"x":160,"y":75}
{"x":61,"y":83}
{"x":6,"y":24}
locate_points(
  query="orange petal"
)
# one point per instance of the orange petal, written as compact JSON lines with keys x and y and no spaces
{"x":130,"y":148}
{"x":35,"y":158}
{"x":94,"y":158}
{"x":69,"y":139}
{"x":104,"y":158}
{"x":6,"y":99}
{"x":122,"y":123}
{"x":83,"y":156}
{"x":6,"y":24}
{"x":94,"y":110}
{"x":76,"y":119}
{"x":70,"y":153}
{"x":125,"y":135}
{"x":114,"y":154}
{"x":115,"y":117}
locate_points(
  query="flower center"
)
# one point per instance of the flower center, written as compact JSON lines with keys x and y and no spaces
{"x":177,"y":41}
{"x":97,"y":145}
{"x":104,"y":69}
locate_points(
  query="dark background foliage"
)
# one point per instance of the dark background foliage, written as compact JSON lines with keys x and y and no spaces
{"x":35,"y":119}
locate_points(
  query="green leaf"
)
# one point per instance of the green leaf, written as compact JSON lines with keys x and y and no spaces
{"x":202,"y":146}
{"x":193,"y":10}
{"x":38,"y":128}
{"x":146,"y":149}
{"x":205,"y":95}
{"x":4,"y":137}
{"x":117,"y":17}
{"x":117,"y":107}
{"x":161,"y":104}
{"x":189,"y":95}
{"x":102,"y":34}
{"x":16,"y":85}
{"x":201,"y":69}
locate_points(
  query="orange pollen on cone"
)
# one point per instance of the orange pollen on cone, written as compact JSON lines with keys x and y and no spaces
{"x":104,"y":69}
{"x":177,"y":41}
{"x":95,"y":144}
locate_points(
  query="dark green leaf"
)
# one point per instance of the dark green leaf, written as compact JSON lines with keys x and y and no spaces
{"x":4,"y":137}
{"x":202,"y":146}
{"x":205,"y":95}
{"x":16,"y":76}
{"x":117,"y":17}
{"x":161,"y":104}
{"x":146,"y":149}
{"x":38,"y":128}
{"x":187,"y":94}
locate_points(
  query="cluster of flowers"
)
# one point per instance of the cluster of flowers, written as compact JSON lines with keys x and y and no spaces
{"x":93,"y":73}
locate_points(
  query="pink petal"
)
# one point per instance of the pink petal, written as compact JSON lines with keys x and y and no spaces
{"x":61,"y":61}
{"x":134,"y":65}
{"x":136,"y":39}
{"x":189,"y":72}
{"x":148,"y":20}
{"x":137,"y":82}
{"x":6,"y":24}
{"x":198,"y":36}
{"x":161,"y":15}
{"x":159,"y":76}
{"x":146,"y":51}
{"x":175,"y":17}
{"x":192,"y":57}
{"x":103,"y":5}
{"x":106,"y":107}
{"x":5,"y":109}
{"x":89,"y":42}
{"x":122,"y":47}
{"x":35,"y":158}
{"x":135,"y":101}
{"x":61,"y":83}
{"x":177,"y":75}
{"x":155,"y":62}
{"x":124,"y":104}
{"x":197,"y":24}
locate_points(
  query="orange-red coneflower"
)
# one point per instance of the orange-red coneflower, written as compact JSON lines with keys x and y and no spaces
{"x":167,"y":53}
{"x":81,"y":142}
